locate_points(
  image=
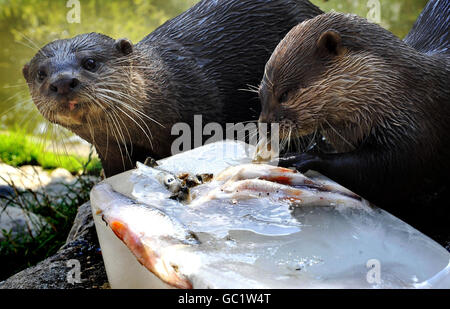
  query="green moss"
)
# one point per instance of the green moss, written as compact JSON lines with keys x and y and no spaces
{"x":15,"y":150}
{"x":18,"y":149}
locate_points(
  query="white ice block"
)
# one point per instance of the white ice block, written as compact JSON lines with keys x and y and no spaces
{"x":256,"y":243}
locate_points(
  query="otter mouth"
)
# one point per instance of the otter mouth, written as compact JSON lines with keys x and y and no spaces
{"x":74,"y":105}
{"x":305,"y":141}
{"x":323,"y":137}
{"x":293,"y":138}
{"x":69,"y":112}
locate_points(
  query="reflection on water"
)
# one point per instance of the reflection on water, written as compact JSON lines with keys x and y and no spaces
{"x":27,"y":25}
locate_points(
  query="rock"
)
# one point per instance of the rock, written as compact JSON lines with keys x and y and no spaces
{"x":6,"y":191}
{"x":80,"y":258}
{"x":35,"y":178}
{"x":18,"y":221}
{"x":58,"y":185}
{"x":61,"y":175}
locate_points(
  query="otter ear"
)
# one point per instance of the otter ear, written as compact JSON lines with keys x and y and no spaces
{"x":25,"y":70}
{"x":330,"y":42}
{"x":124,"y":46}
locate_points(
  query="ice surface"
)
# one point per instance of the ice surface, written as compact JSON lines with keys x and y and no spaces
{"x":261,"y":243}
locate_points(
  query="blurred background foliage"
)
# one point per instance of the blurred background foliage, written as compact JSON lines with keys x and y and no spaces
{"x":26,"y":25}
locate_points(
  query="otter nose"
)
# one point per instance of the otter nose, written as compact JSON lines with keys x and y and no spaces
{"x":263,"y":118}
{"x":64,"y":85}
{"x":268,"y":105}
{"x":266,"y":117}
{"x":268,"y":110}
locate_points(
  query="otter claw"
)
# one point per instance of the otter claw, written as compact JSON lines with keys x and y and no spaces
{"x":289,"y":160}
{"x":302,"y":162}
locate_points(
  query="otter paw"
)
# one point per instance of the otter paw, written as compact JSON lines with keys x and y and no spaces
{"x":288,"y":160}
{"x":302,"y":162}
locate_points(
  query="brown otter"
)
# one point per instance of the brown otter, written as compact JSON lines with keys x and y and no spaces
{"x":381,"y":104}
{"x":125,"y":98}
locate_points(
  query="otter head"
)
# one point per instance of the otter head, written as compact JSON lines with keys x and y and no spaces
{"x":325,"y":77}
{"x":74,"y":79}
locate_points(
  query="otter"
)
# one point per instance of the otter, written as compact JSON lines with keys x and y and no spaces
{"x":381,"y":103}
{"x":125,"y":98}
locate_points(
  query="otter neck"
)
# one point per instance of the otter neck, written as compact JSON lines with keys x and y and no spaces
{"x":398,"y":97}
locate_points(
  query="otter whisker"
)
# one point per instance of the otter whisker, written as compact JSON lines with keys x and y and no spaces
{"x":148,"y":137}
{"x":251,"y":88}
{"x":16,"y":86}
{"x":248,"y":90}
{"x":121,"y":134}
{"x":340,"y":135}
{"x":108,"y":123}
{"x":134,"y":112}
{"x":90,"y":127}
{"x":289,"y":137}
{"x":115,"y":133}
{"x":16,"y":106}
{"x":105,"y":96}
{"x":311,"y":141}
{"x":251,"y":134}
{"x":249,"y":121}
{"x":28,"y":46}
{"x":56,"y":137}
{"x":128,"y":133}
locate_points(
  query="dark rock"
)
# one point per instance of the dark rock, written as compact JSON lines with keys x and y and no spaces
{"x":81,"y":252}
{"x":18,"y":221}
{"x":6,"y":191}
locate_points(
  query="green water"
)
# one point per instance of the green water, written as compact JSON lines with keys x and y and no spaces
{"x":26,"y":25}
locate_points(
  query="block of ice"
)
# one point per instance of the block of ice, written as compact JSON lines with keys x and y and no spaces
{"x":255,"y":242}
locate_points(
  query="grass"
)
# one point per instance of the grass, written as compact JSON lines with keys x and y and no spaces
{"x":18,"y":149}
{"x":20,"y":251}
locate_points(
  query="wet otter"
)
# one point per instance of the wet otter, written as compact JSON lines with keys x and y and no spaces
{"x":381,"y":104}
{"x":125,"y":98}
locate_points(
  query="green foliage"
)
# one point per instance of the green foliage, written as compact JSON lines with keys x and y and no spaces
{"x":43,"y":20}
{"x":398,"y":16}
{"x":18,"y":149}
{"x":15,"y":150}
{"x":20,"y":251}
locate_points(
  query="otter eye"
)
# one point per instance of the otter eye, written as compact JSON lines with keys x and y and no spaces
{"x":41,"y":75}
{"x":284,"y":97}
{"x":90,"y":64}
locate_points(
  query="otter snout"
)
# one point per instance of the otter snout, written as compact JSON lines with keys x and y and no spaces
{"x":269,"y":107}
{"x":64,"y":85}
{"x":268,"y":118}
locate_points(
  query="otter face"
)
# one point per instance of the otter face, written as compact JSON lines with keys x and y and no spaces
{"x":319,"y":80}
{"x":68,"y":79}
{"x":293,"y":78}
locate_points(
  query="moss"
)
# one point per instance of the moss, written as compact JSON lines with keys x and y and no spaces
{"x":18,"y":149}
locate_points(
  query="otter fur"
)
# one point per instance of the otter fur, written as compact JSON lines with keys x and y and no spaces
{"x":125,"y":98}
{"x":383,"y":104}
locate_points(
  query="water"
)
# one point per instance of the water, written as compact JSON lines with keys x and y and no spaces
{"x":27,"y":25}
